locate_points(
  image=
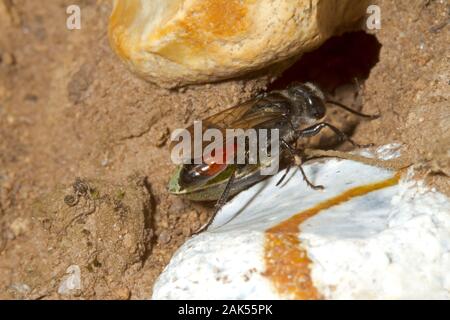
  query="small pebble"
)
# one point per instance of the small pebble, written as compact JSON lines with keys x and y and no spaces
{"x":164,"y":237}
{"x":122,"y":294}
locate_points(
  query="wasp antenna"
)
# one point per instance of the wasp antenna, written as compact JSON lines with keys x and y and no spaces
{"x":338,"y":104}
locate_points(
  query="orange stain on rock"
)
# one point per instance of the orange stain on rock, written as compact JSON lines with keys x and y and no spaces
{"x":204,"y":24}
{"x":121,"y":21}
{"x":189,"y":40}
{"x":222,"y":18}
{"x":287,"y":263}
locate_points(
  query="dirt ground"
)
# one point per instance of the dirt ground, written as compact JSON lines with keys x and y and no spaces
{"x":84,"y":159}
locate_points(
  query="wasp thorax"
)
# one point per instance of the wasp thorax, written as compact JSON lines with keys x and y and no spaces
{"x":309,"y":100}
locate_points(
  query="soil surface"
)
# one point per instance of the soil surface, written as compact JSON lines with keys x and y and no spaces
{"x":84,"y":157}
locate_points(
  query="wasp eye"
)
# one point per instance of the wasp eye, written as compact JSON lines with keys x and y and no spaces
{"x":317,"y":107}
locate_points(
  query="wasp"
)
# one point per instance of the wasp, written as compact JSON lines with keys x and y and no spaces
{"x":296,"y":112}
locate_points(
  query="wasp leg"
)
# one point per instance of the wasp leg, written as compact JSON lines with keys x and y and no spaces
{"x":309,"y":183}
{"x":343,"y":106}
{"x":298,"y":162}
{"x":284,"y":175}
{"x":222,"y":200}
{"x":315,"y":129}
{"x":291,"y":152}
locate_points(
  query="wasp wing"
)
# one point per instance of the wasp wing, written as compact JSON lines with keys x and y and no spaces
{"x":243,"y":116}
{"x":227,"y":117}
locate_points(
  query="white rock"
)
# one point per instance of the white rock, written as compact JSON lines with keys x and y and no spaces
{"x":21,"y":288}
{"x":71,"y":282}
{"x":391,"y":243}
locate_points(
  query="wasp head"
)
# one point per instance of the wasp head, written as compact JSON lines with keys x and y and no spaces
{"x":309,"y":99}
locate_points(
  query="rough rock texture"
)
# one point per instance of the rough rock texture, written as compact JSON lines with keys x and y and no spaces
{"x":179,"y":42}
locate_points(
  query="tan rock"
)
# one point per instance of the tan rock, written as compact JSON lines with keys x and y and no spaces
{"x":179,"y":42}
{"x":19,"y":226}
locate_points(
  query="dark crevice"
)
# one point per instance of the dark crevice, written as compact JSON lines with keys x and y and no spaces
{"x":337,"y":62}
